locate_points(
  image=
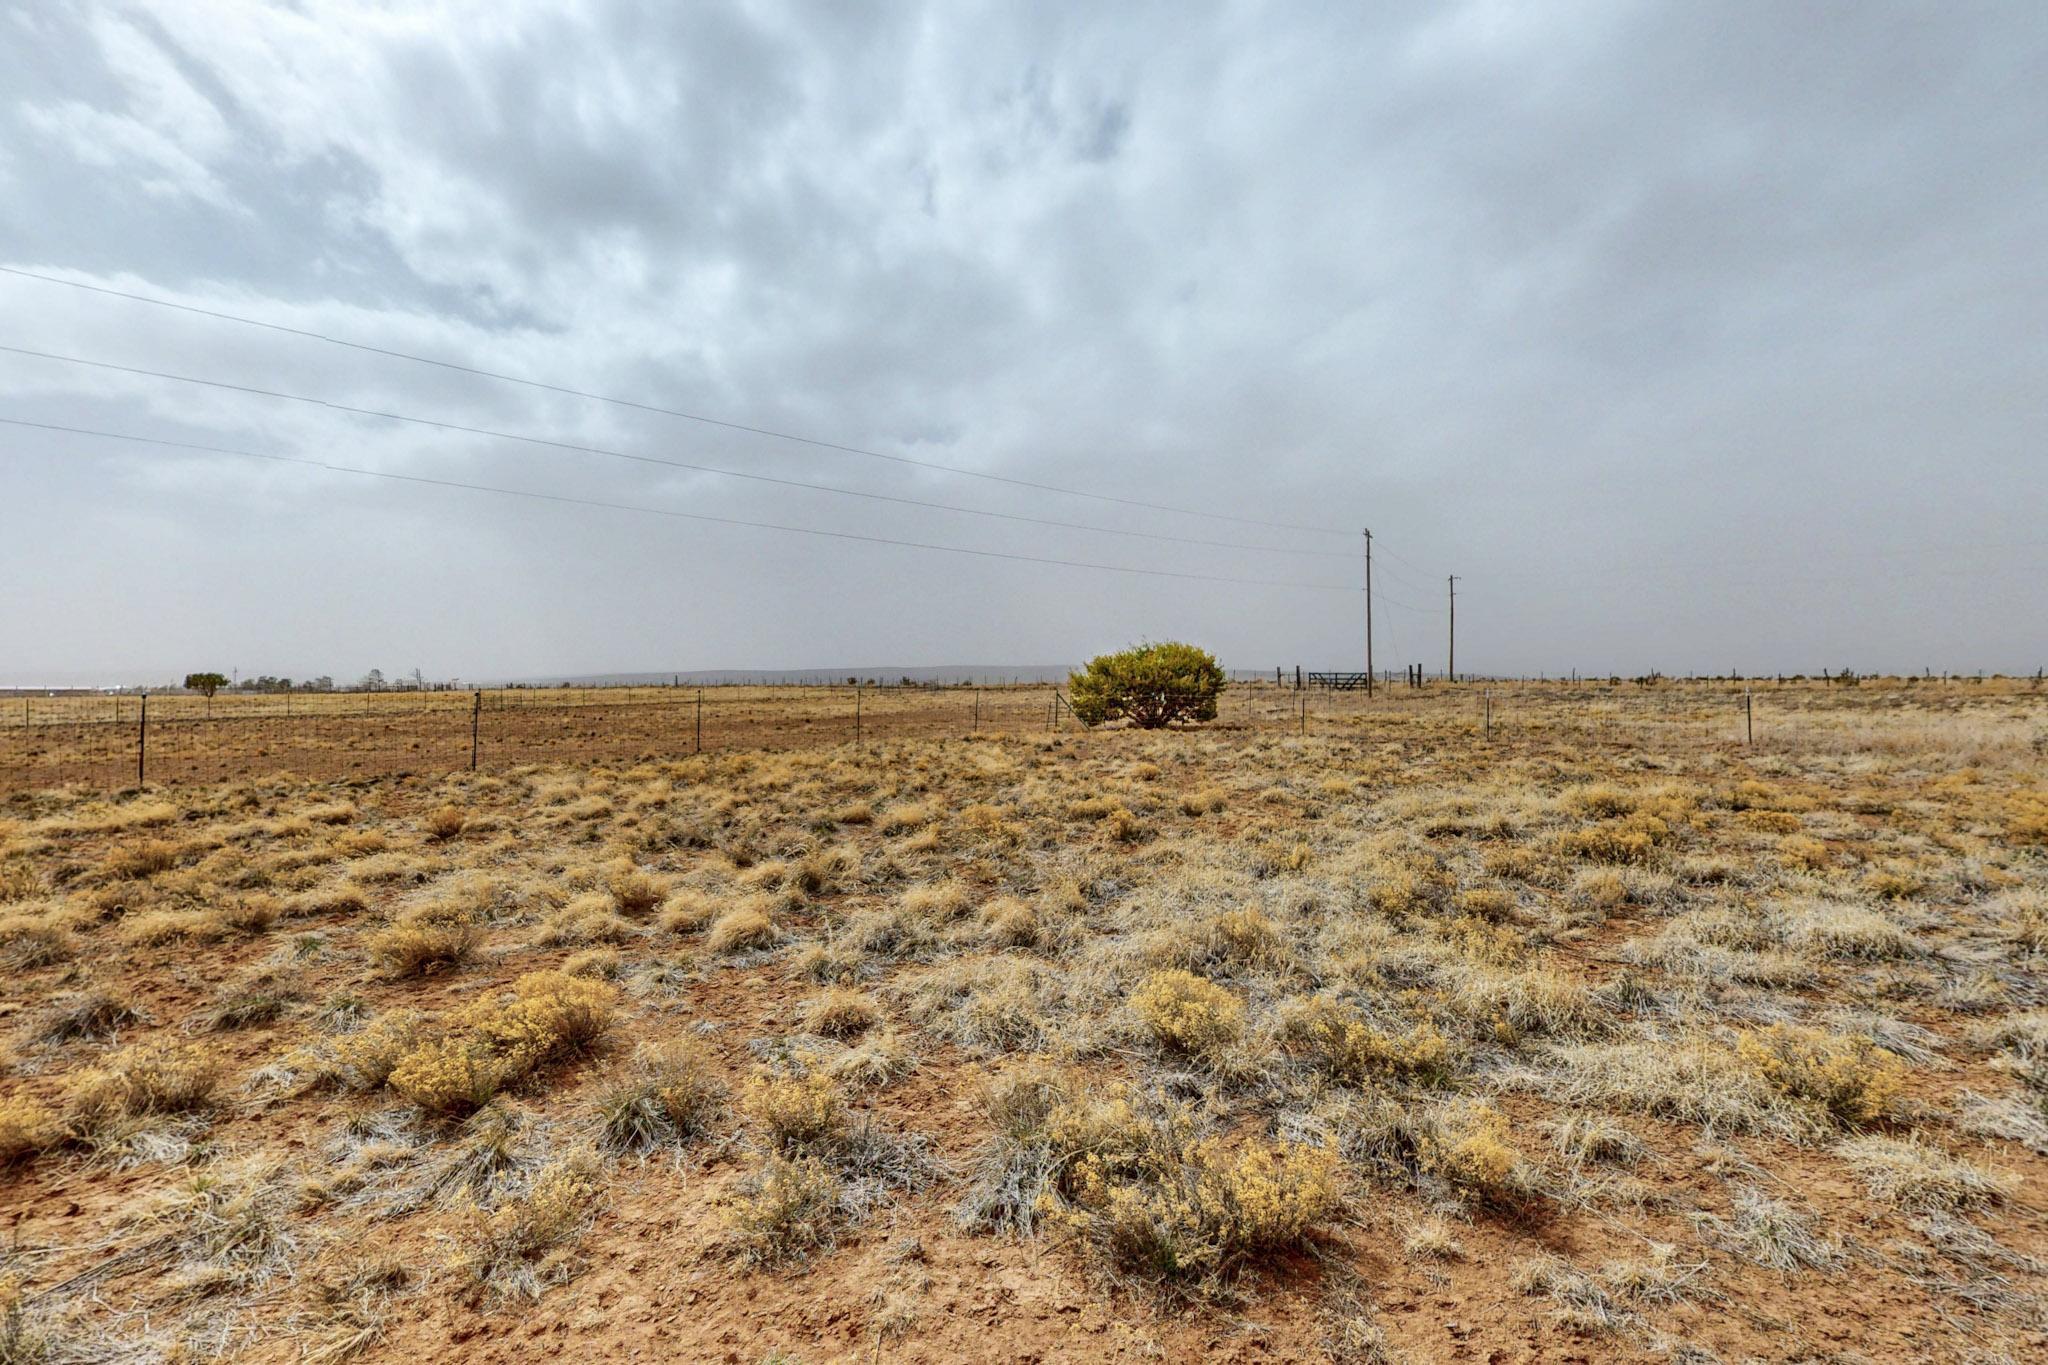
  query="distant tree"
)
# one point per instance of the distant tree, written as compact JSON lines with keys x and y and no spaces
{"x":206,"y":683}
{"x":1149,"y":685}
{"x":373,"y":681}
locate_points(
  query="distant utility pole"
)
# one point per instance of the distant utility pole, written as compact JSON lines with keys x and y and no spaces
{"x":1368,"y":611}
{"x":1451,"y":674}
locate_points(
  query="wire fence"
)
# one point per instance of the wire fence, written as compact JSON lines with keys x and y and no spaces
{"x":122,"y":741}
{"x":118,"y":742}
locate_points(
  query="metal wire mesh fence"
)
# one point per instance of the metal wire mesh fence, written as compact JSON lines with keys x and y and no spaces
{"x":120,"y":741}
{"x":113,"y":742}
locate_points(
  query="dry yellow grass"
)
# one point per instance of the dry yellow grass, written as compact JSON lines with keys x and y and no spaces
{"x":1164,"y":1034}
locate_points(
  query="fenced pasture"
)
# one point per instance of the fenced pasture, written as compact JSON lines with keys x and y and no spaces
{"x":116,"y":741}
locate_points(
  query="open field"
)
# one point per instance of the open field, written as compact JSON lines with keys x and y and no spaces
{"x":1608,"y":1037}
{"x":110,"y":743}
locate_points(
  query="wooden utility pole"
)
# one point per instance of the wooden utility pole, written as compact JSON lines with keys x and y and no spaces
{"x":1451,"y":673}
{"x":1368,"y":611}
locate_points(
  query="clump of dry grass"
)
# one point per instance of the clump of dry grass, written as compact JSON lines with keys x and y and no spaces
{"x":937,"y":902}
{"x":743,"y":928}
{"x":840,"y":1014}
{"x":1431,"y":1240}
{"x":1771,"y":1234}
{"x":586,"y":918}
{"x":1915,"y":1175}
{"x":138,"y":1083}
{"x":92,"y":1014}
{"x":417,"y":947}
{"x":1853,"y":932}
{"x":228,"y":1227}
{"x":1008,"y":922}
{"x":1633,"y":840}
{"x":444,"y":823}
{"x":30,"y":941}
{"x":636,"y":893}
{"x":141,"y":859}
{"x":527,"y":1242}
{"x":671,"y":1094}
{"x":1684,"y":1081}
{"x":879,"y":1059}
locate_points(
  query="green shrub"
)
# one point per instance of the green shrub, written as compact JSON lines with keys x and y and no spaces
{"x":1149,"y":685}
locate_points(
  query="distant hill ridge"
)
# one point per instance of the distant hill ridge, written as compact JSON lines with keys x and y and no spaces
{"x":986,"y":674}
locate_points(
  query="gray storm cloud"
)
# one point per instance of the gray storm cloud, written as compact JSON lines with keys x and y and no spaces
{"x":1691,"y":337}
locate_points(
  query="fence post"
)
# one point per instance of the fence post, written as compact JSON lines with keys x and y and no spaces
{"x":141,"y":739}
{"x":977,"y":713}
{"x":700,"y":722}
{"x":1489,"y":715}
{"x":476,"y":716}
{"x":1748,"y":718}
{"x":856,"y":715}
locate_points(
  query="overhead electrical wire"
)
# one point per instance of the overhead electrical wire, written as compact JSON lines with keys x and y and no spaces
{"x":691,"y":466}
{"x":571,"y":391}
{"x":673,"y":512}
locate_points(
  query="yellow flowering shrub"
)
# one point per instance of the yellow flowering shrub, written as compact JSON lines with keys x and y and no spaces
{"x":1772,"y":821}
{"x":1852,"y":1078}
{"x":1630,"y":840}
{"x":1188,"y":1013}
{"x":800,"y":1113}
{"x":1467,"y":1145}
{"x":1201,"y":1209}
{"x":1803,"y":850}
{"x":26,"y":1128}
{"x":490,"y":1045}
{"x":1340,"y":1043}
{"x":785,"y":1211}
{"x":451,"y":1076}
{"x":2026,"y":818}
{"x":368,"y":1055}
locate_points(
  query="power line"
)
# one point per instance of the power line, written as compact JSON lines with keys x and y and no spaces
{"x":1400,"y":559}
{"x":670,"y":512}
{"x":1403,"y":579}
{"x":609,"y":453}
{"x":570,"y":391}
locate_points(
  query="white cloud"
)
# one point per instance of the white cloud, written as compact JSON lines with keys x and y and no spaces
{"x":1556,"y":298}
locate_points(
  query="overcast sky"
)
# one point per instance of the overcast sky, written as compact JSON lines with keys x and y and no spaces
{"x":1693,"y":336}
